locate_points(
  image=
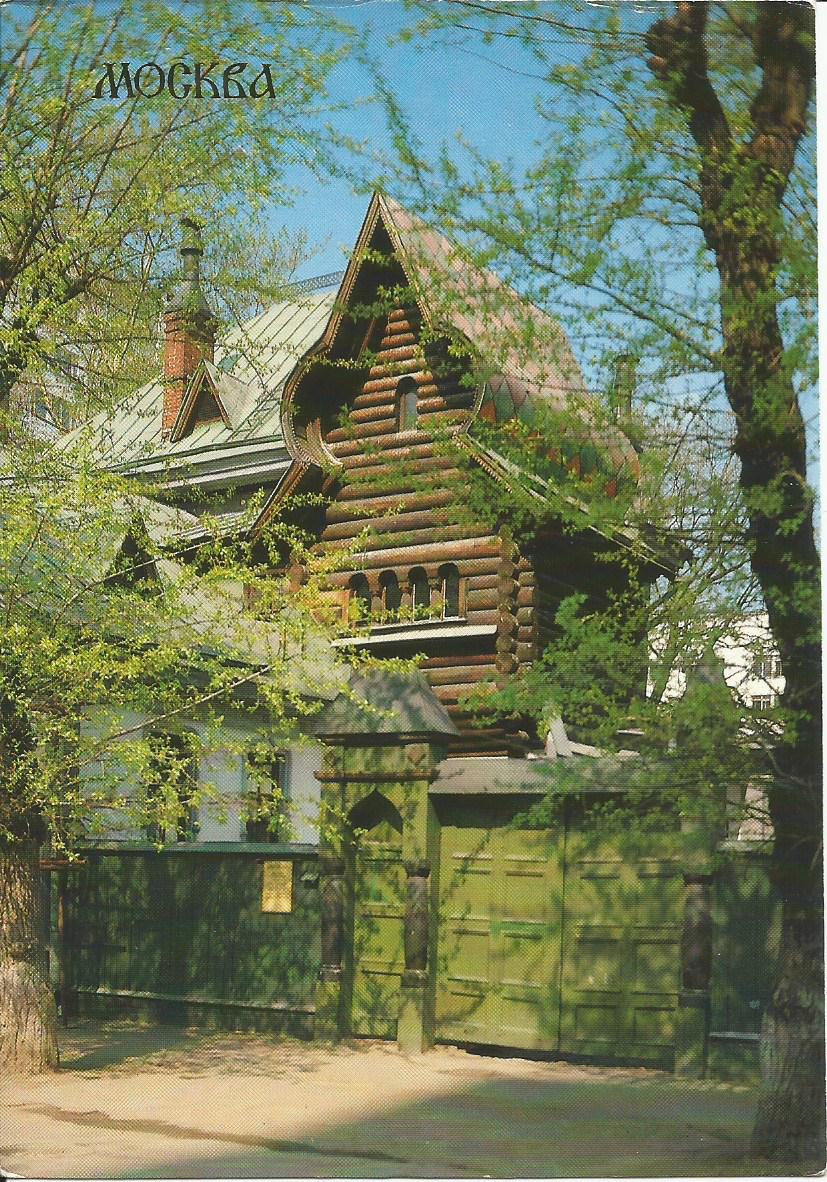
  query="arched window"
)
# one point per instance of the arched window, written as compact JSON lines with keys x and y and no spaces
{"x":449,"y":584}
{"x":390,"y":592}
{"x":360,"y":590}
{"x":406,"y":404}
{"x":420,"y":591}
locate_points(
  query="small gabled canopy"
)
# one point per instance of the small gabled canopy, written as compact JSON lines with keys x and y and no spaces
{"x":213,"y":394}
{"x":385,"y":702}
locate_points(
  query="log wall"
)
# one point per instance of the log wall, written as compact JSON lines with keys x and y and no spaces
{"x":397,"y":507}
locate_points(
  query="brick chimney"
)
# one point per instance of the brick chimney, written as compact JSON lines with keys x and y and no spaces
{"x":189,"y":326}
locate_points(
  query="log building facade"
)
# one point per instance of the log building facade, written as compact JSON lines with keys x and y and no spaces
{"x":432,"y":911}
{"x":379,"y":417}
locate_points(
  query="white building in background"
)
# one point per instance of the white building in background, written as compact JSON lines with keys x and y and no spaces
{"x":751,"y":664}
{"x":752,"y":670}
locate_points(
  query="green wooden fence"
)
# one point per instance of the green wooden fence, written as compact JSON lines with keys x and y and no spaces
{"x":183,"y":934}
{"x":746,"y":917}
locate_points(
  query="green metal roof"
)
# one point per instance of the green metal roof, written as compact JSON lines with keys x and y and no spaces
{"x":384,"y":702}
{"x":257,"y":358}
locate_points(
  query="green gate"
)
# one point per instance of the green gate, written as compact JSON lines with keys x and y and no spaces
{"x":557,"y":939}
{"x":623,"y":914}
{"x":498,"y":957}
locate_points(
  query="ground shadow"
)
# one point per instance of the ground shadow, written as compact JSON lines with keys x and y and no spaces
{"x":512,"y":1119}
{"x":87,"y":1046}
{"x":506,"y":1127}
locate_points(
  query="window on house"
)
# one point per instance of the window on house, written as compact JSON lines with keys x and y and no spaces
{"x":449,"y":584}
{"x":360,"y":590}
{"x":265,"y":805}
{"x":169,"y":788}
{"x":763,"y":701}
{"x":406,"y":395}
{"x":766,"y":666}
{"x":206,"y":409}
{"x":390,"y":592}
{"x":420,"y":590}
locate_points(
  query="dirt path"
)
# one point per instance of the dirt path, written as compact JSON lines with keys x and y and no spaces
{"x":142,"y":1103}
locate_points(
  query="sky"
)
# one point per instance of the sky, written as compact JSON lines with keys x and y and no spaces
{"x":446,"y":90}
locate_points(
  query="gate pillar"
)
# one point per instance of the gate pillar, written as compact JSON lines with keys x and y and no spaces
{"x":415,"y":1030}
{"x":692,"y":1018}
{"x":329,"y":989}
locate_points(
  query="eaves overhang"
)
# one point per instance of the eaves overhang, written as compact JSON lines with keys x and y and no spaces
{"x":214,"y":467}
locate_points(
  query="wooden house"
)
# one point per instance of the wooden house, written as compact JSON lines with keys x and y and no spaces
{"x":432,"y":910}
{"x":379,"y":418}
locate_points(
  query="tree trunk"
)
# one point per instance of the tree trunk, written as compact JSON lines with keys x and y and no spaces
{"x":789,"y":1125}
{"x":28,"y":1015}
{"x":742,"y":185}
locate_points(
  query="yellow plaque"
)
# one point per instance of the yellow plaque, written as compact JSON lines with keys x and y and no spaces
{"x":277,"y":887}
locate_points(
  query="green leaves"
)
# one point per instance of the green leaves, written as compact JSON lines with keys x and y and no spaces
{"x":92,"y":189}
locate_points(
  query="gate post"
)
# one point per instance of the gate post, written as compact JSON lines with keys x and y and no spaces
{"x":414,"y":1031}
{"x":329,"y":988}
{"x":692,"y":1018}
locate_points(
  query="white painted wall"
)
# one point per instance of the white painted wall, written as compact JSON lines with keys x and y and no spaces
{"x":305,"y":790}
{"x":219,"y":819}
{"x":223,"y":767}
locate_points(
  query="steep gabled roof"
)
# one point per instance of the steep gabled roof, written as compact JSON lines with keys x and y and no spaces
{"x":524,"y":358}
{"x":453,"y":293}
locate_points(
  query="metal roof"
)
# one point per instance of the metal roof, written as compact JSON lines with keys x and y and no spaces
{"x":384,"y":702}
{"x":258,"y":356}
{"x":504,"y":775}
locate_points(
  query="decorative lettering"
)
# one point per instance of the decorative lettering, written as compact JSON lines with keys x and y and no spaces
{"x":119,"y":80}
{"x":269,"y":89}
{"x":229,"y":80}
{"x":185,"y":69}
{"x":115,"y":87}
{"x":202,"y":75}
{"x":159,"y":74}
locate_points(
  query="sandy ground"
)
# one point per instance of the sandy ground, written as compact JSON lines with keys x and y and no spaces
{"x":132,"y":1102}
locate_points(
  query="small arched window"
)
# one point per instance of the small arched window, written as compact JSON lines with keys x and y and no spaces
{"x":406,"y":395}
{"x":390,"y":592}
{"x":420,"y":591}
{"x":449,"y":584}
{"x":360,"y":590}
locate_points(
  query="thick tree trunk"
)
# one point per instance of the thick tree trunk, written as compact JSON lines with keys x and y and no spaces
{"x":742,"y":186}
{"x":28,"y":1016}
{"x":789,"y":1124}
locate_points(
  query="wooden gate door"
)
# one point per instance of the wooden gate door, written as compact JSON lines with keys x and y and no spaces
{"x":621,"y":946}
{"x":498,"y":953}
{"x":378,"y":955}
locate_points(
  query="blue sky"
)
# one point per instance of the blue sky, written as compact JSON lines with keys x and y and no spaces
{"x":445,"y":91}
